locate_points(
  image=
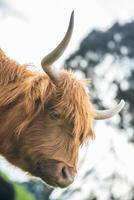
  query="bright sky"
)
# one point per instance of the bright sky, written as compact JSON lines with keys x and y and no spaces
{"x":44,"y":23}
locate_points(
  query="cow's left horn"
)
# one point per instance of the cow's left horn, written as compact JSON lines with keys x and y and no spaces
{"x":48,"y":60}
{"x":104,"y":114}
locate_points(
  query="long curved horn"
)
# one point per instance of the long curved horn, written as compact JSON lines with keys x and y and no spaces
{"x":48,"y":60}
{"x":104,"y":114}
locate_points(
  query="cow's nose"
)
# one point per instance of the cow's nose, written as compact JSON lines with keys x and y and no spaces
{"x":65,"y":175}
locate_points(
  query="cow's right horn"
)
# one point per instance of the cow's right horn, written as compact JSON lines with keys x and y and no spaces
{"x":48,"y":60}
{"x":104,"y":114}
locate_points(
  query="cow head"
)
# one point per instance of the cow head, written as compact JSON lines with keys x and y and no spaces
{"x":48,"y":147}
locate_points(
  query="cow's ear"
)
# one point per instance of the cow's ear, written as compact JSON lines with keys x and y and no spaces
{"x":38,"y":92}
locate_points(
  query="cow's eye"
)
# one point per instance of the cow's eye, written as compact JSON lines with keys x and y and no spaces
{"x":55,"y":115}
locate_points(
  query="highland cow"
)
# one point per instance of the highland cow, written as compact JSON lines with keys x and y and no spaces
{"x":45,"y":117}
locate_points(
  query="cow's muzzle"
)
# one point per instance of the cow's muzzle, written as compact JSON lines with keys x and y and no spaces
{"x":55,"y":173}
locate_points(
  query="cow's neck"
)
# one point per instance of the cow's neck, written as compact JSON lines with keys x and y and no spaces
{"x":11,"y":77}
{"x":9,"y":120}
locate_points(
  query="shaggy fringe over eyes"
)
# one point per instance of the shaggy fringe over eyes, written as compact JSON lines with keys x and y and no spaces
{"x":74,"y":101}
{"x":38,"y":90}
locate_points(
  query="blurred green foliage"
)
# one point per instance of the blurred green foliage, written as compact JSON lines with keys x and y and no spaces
{"x":20,"y":192}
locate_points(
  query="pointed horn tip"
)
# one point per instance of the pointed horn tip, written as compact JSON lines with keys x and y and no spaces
{"x":121,"y":104}
{"x":72,"y":19}
{"x":72,"y":13}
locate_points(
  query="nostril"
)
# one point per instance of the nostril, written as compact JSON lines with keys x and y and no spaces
{"x":64,"y":173}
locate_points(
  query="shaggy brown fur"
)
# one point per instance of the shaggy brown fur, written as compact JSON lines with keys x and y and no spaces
{"x":31,"y":133}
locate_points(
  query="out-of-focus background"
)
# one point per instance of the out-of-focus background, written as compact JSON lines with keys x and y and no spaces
{"x":102,"y":48}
